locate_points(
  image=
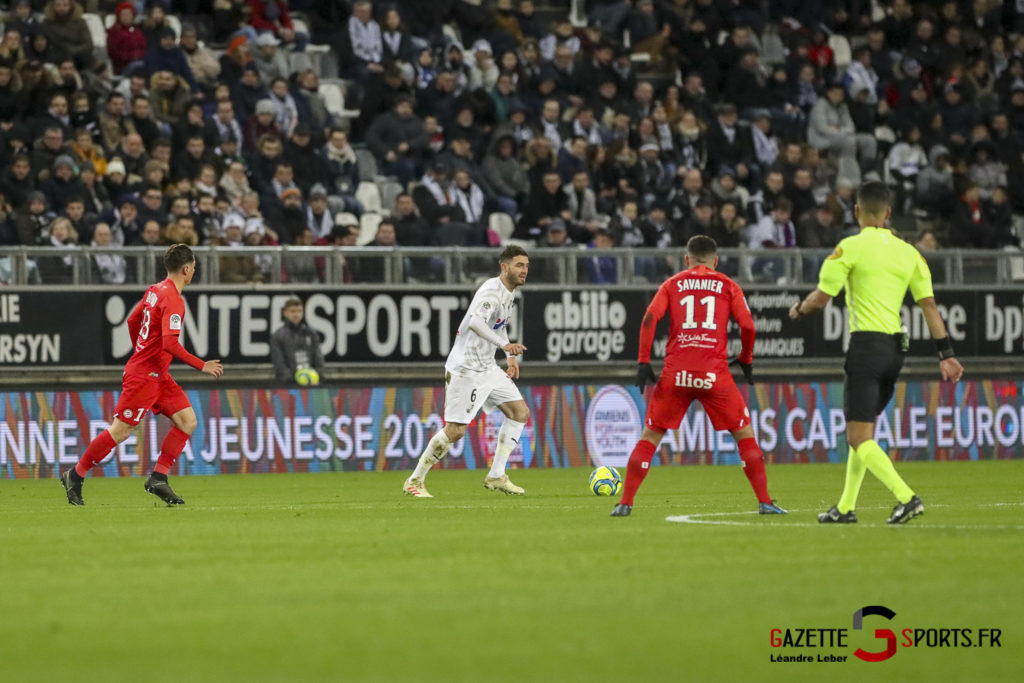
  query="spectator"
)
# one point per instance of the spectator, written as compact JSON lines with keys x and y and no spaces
{"x":601,"y":267}
{"x":935,"y":183}
{"x":365,"y":41}
{"x":236,"y":268}
{"x":126,"y":44}
{"x":235,"y":183}
{"x":729,"y":228}
{"x":969,"y":225}
{"x":164,"y":55}
{"x":341,"y":168}
{"x":831,"y":128}
{"x":318,"y":216}
{"x":775,"y":230}
{"x":505,"y":175}
{"x":469,"y":197}
{"x":729,"y":144}
{"x":410,"y":228}
{"x":32,"y":221}
{"x":58,"y":270}
{"x":288,"y":218}
{"x":272,"y":16}
{"x":18,"y":182}
{"x":201,"y":61}
{"x":819,"y":229}
{"x":926,"y":241}
{"x":584,"y":218}
{"x":542,"y":207}
{"x":700,"y":222}
{"x":398,"y":140}
{"x":294,"y":345}
{"x":65,"y":23}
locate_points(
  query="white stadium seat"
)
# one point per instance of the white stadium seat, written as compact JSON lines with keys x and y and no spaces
{"x":368,"y":194}
{"x":97,"y":31}
{"x":502,"y":224}
{"x":368,"y":228}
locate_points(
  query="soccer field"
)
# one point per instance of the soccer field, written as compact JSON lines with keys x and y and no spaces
{"x":331,"y":577}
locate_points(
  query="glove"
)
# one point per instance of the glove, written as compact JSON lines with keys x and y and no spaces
{"x":747,"y":368}
{"x":644,"y":374}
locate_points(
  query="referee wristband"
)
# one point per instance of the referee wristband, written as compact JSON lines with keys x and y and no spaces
{"x":944,"y":348}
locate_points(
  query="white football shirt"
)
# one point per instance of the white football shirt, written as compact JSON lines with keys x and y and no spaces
{"x":470,"y":353}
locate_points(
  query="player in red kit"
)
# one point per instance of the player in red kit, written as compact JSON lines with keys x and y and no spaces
{"x":154,"y":327}
{"x":700,"y":301}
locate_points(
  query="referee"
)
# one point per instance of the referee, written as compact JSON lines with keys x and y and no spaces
{"x":876,"y":267}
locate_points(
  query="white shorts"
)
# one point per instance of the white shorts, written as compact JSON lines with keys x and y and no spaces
{"x":465,"y":395}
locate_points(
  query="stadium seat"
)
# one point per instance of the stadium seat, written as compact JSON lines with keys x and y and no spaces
{"x":109,"y":19}
{"x":345,"y":218}
{"x":97,"y":31}
{"x":368,"y":194}
{"x":317,"y":54}
{"x":333,"y":95}
{"x":367,"y":163}
{"x":451,"y":33}
{"x":389,"y":191}
{"x":502,"y":224}
{"x":368,"y":228}
{"x":175,"y":23}
{"x":334,"y":98}
{"x":841,"y":53}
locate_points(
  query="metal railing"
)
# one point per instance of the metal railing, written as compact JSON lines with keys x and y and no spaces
{"x":456,"y":265}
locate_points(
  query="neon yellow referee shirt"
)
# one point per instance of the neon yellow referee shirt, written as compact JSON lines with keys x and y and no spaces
{"x":876,"y":267}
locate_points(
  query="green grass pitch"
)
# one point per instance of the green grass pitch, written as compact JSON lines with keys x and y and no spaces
{"x":339,"y":577}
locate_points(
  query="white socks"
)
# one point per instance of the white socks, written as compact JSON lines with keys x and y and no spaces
{"x":508,"y":439}
{"x":436,"y":449}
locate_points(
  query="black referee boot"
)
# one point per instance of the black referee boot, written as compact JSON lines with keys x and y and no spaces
{"x":904,"y":512}
{"x":158,"y":486}
{"x":622,"y":510}
{"x":834,"y":516}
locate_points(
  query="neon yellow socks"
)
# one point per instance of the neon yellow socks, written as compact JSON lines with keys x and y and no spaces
{"x":878,"y":463}
{"x":854,"y":478}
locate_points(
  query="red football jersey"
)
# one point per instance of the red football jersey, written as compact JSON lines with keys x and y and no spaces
{"x":154,"y":327}
{"x":700,"y":301}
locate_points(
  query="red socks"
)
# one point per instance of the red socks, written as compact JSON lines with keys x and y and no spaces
{"x":97,"y":450}
{"x":753,"y":467}
{"x":170,"y":449}
{"x":639,"y":465}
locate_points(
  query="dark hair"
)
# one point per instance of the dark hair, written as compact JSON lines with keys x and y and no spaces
{"x":874,"y":197}
{"x":784,"y":204}
{"x":177,"y":257}
{"x":701,"y":247}
{"x":510,"y":252}
{"x":293,"y":301}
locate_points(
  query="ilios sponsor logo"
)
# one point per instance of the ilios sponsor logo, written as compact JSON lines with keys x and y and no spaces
{"x":585,"y":324}
{"x":688,"y":380}
{"x":613,"y":426}
{"x":804,"y":645}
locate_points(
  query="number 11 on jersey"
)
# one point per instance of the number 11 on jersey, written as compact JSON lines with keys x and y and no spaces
{"x":688,"y":304}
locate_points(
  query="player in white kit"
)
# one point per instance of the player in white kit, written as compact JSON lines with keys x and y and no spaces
{"x":473,"y":379}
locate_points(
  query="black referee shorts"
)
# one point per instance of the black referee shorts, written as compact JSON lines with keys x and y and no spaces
{"x":873,"y":364}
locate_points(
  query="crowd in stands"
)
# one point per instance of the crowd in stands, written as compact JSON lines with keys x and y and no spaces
{"x":635,"y":123}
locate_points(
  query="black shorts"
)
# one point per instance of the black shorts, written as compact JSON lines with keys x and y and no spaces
{"x":873,"y":365}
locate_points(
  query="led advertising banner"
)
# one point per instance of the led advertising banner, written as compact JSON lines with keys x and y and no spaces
{"x":387,"y":427}
{"x":363,"y":325}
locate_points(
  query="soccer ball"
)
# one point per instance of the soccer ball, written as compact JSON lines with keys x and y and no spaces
{"x":605,"y":481}
{"x":307,"y":377}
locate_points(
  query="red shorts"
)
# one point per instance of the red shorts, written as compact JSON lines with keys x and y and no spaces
{"x":139,"y":394}
{"x":717,"y":392}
